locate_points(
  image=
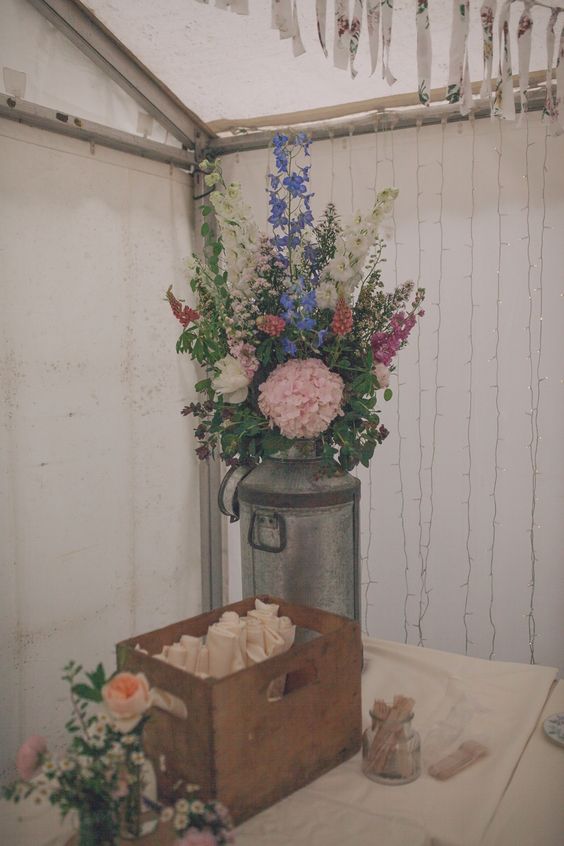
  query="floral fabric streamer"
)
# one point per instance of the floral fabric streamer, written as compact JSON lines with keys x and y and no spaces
{"x":487,"y":15}
{"x":551,"y":110}
{"x":373,"y":20}
{"x":560,"y":79}
{"x":285,"y":20}
{"x":341,"y":43}
{"x":356,"y":26}
{"x":524,"y":38}
{"x":321,"y":14}
{"x":459,"y":85}
{"x":387,"y":16}
{"x":504,"y":101}
{"x":424,"y":51}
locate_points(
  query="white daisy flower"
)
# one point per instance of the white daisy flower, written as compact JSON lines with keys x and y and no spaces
{"x":166,"y":815}
{"x":180,"y":822}
{"x":182,"y":806}
{"x":137,"y":758}
{"x":197,"y":807}
{"x":129,"y":739}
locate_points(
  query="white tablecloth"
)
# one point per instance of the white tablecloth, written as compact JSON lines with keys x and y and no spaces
{"x":511,"y":798}
{"x":496,"y":703}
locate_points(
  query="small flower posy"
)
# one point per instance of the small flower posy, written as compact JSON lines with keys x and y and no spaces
{"x":294,"y":329}
{"x":199,"y":823}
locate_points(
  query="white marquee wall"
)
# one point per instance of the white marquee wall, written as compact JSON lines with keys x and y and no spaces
{"x":99,"y":515}
{"x":473,"y":467}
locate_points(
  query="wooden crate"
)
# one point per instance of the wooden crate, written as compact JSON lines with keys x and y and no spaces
{"x":241,"y":748}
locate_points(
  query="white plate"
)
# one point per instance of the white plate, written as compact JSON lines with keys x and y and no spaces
{"x":554,"y":728}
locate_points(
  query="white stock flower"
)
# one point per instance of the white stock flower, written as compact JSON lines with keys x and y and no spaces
{"x":232,"y":381}
{"x":212,"y":179}
{"x":386,"y":199}
{"x":326,"y":295}
{"x":357,"y":244}
{"x":339,"y":268}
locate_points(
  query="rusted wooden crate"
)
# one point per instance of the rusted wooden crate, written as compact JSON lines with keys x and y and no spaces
{"x":240,"y":747}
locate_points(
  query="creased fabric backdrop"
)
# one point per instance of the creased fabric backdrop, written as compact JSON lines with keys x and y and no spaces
{"x":99,"y":515}
{"x":462,"y":531}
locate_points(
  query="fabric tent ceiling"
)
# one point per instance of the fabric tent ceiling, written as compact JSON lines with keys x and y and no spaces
{"x":228,"y":66}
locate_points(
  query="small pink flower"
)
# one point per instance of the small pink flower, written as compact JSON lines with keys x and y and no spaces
{"x":382,"y":374}
{"x":28,"y":759}
{"x":195,"y":837}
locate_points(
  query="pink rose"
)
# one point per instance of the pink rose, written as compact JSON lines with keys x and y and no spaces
{"x":195,"y":837}
{"x":127,"y":696}
{"x":382,"y":374}
{"x":28,"y":759}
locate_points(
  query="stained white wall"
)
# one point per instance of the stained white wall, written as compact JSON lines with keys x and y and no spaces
{"x":99,"y":514}
{"x":474,"y":462}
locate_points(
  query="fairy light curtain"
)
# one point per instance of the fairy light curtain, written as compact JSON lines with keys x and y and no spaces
{"x":371,"y":22}
{"x":462,"y":534}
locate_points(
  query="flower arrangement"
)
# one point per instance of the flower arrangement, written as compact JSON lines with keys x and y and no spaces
{"x":100,"y":775}
{"x":199,"y":823}
{"x":294,"y":330}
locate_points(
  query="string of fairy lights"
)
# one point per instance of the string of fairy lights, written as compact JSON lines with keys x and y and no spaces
{"x":470,"y":364}
{"x":419,"y":495}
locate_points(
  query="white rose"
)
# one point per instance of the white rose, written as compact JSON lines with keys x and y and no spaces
{"x":382,"y":374}
{"x":232,"y":380}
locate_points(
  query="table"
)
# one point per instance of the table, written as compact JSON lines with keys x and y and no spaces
{"x":511,"y":798}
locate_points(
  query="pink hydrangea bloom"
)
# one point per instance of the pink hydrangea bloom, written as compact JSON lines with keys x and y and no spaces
{"x":28,"y":759}
{"x":195,"y":837}
{"x":301,"y":397}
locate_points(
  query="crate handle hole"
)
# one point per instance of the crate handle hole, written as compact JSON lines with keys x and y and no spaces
{"x":284,"y":685}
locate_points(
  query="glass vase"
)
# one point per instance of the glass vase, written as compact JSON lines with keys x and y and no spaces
{"x":139,"y":814}
{"x":391,"y":751}
{"x":97,"y":827}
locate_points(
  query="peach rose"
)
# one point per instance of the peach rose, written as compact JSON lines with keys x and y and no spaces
{"x":127,"y":696}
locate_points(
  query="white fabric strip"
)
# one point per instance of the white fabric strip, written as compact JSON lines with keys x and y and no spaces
{"x":282,"y":18}
{"x":504,"y":101}
{"x":341,"y":42}
{"x":424,"y":51}
{"x":524,"y":39}
{"x":551,"y":105}
{"x":321,"y":13}
{"x":560,"y":80}
{"x":387,"y":18}
{"x":459,"y":87}
{"x":373,"y":22}
{"x":356,"y":26}
{"x":298,"y":48}
{"x":487,"y":15}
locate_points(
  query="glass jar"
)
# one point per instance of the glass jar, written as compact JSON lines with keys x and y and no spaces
{"x":97,"y":827}
{"x":391,"y":751}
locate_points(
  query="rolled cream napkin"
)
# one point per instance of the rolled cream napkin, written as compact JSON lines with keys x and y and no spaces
{"x":163,"y":654}
{"x":177,"y":656}
{"x":203,"y":664}
{"x":255,"y":641}
{"x":224,"y":651}
{"x":169,"y":702}
{"x":287,"y":631}
{"x":192,"y":645}
{"x":138,"y":648}
{"x":267,"y":607}
{"x":231,"y":621}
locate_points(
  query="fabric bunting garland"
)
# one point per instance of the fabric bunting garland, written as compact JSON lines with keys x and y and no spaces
{"x":424,"y":51}
{"x":459,"y":85}
{"x":356,"y":26}
{"x":321,"y":14}
{"x":373,"y":23}
{"x":551,"y":110}
{"x":387,"y":16}
{"x":487,"y":15}
{"x":504,"y":101}
{"x":524,"y":38}
{"x":285,"y":20}
{"x":341,"y":42}
{"x":560,"y":79}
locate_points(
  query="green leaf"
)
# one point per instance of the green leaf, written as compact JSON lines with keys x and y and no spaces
{"x":206,"y":210}
{"x":85,"y":692}
{"x":98,"y":677}
{"x":205,"y":229}
{"x":388,"y":394}
{"x":202,"y":385}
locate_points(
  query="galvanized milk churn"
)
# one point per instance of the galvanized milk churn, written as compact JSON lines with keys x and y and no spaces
{"x":299,"y":530}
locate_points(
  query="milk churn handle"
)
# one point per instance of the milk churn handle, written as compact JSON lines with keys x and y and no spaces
{"x":227,"y":498}
{"x":264,"y":547}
